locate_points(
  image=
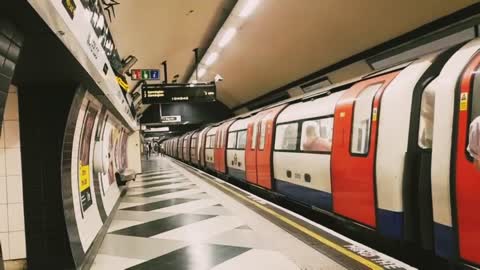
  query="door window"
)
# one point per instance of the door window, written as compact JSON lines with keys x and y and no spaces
{"x":241,"y":139}
{"x":254,"y":136}
{"x":263,"y":134}
{"x":362,"y":117}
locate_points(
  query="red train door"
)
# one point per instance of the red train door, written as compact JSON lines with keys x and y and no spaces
{"x":258,"y":151}
{"x":354,"y":147}
{"x":251,"y":149}
{"x":467,"y":178}
{"x":221,"y":151}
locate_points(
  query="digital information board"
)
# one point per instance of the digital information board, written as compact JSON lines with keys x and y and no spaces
{"x":145,"y":74}
{"x":179,"y":92}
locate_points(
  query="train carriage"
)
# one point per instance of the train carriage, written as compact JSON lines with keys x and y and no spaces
{"x":201,"y":147}
{"x":211,"y":142}
{"x":451,"y":103}
{"x":237,"y":139}
{"x":301,"y":154}
{"x":193,"y":148}
{"x":221,"y":147}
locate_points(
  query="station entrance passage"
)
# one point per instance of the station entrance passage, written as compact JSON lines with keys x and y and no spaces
{"x":176,"y":217}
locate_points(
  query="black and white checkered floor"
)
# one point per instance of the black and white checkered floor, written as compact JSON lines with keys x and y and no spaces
{"x":171,"y":219}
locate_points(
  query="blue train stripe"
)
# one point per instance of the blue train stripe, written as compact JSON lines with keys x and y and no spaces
{"x":317,"y":198}
{"x":390,"y":223}
{"x":444,"y":240}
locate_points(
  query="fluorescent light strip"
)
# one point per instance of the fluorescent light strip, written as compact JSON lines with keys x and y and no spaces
{"x":248,"y":8}
{"x":211,"y":58}
{"x":227,"y":37}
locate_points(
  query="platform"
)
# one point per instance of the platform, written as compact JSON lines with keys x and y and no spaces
{"x":177,"y":217}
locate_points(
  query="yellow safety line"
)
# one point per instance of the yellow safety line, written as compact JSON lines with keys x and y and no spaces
{"x":308,"y":232}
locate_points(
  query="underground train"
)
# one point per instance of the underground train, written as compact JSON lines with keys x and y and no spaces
{"x":386,"y":150}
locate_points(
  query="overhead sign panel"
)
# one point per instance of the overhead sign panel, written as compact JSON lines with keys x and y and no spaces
{"x":171,"y":119}
{"x":172,"y":93}
{"x":145,"y":74}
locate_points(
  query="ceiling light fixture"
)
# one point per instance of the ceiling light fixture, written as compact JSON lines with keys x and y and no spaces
{"x":201,"y":72}
{"x":211,"y":58}
{"x":248,"y":8}
{"x":227,"y":37}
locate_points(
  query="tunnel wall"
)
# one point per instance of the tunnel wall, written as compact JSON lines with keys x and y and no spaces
{"x":71,"y":148}
{"x":94,"y":148}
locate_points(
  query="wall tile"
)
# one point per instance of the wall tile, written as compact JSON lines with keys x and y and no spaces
{"x":13,"y":161}
{"x":17,"y":245}
{"x":11,"y":107}
{"x":2,"y":137}
{"x":3,"y":169}
{"x":15,"y":217}
{"x":3,"y":218}
{"x":14,"y":189}
{"x":4,"y":241}
{"x":3,"y":190}
{"x":12,"y":134}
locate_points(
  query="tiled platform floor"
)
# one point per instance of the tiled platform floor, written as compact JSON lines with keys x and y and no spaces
{"x":171,"y":219}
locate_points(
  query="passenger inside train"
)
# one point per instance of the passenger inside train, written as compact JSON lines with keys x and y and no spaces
{"x":314,"y":139}
{"x":474,"y":142}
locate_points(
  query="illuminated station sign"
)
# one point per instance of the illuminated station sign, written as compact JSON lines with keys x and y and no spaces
{"x":172,"y":93}
{"x":145,"y":74}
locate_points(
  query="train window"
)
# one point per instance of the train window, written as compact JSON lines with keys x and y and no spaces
{"x":317,"y":135}
{"x":193,"y":144}
{"x":425,"y":131}
{"x":254,"y":136}
{"x":286,"y":137}
{"x":232,"y":140}
{"x":263,"y":133}
{"x":241,"y":139}
{"x":474,"y":103}
{"x":360,"y":139}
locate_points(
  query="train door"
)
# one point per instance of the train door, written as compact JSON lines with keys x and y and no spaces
{"x":354,"y":149}
{"x":221,"y":151}
{"x":251,"y":149}
{"x":466,"y":176}
{"x":265,"y":144}
{"x":258,"y":151}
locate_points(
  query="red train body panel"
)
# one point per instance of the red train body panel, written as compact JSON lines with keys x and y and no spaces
{"x":354,"y":185}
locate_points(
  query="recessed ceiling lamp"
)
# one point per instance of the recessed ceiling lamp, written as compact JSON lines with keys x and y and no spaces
{"x":201,"y":72}
{"x":227,"y":37}
{"x":248,"y":8}
{"x":211,"y":58}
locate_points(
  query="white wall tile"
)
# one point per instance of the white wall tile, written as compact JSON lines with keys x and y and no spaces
{"x":4,"y":241}
{"x":17,"y":245}
{"x":11,"y":107}
{"x":12,"y":134}
{"x":15,"y":217}
{"x":13,"y":161}
{"x":2,"y":138}
{"x":3,"y":190}
{"x":3,"y":218}
{"x":14,"y":189}
{"x":3,"y":168}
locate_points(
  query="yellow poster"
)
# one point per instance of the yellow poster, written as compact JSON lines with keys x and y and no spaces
{"x":84,"y":177}
{"x":463,"y":101}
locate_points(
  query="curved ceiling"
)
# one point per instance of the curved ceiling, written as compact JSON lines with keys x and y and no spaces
{"x":283,"y":40}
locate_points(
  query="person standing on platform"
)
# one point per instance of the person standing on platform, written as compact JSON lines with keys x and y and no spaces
{"x":474,"y":142}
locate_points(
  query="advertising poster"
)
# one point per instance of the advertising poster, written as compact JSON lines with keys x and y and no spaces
{"x":84,"y":158}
